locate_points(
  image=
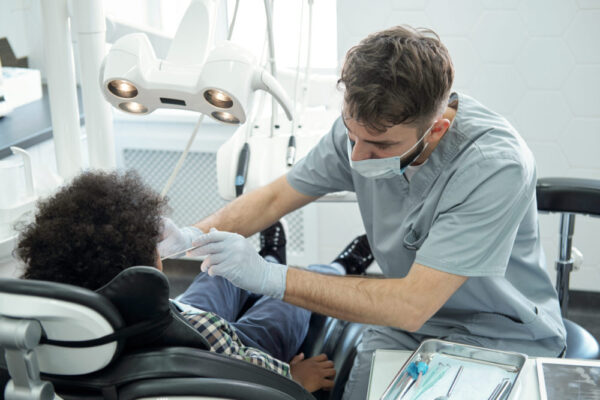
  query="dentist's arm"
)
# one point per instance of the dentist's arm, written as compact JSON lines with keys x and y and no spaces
{"x":257,"y":210}
{"x":405,"y":303}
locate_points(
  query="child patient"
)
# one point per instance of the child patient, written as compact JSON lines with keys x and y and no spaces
{"x":103,"y":223}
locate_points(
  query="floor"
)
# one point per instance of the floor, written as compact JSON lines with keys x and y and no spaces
{"x":584,"y":307}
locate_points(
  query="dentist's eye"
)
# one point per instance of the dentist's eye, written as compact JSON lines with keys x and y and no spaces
{"x":382,"y":146}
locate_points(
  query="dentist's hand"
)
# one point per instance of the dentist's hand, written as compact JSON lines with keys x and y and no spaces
{"x":233,"y":257}
{"x":174,"y":239}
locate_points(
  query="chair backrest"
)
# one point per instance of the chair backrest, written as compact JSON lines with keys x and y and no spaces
{"x":131,"y":311}
{"x":65,"y":312}
{"x":127,"y":354}
{"x":569,"y":195}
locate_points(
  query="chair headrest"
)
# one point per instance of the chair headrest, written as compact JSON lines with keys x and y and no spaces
{"x":141,"y":294}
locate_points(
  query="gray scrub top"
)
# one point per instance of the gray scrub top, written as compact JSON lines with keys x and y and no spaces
{"x":469,"y":210}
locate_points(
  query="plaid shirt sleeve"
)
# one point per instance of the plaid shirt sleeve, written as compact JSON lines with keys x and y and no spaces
{"x":224,"y":340}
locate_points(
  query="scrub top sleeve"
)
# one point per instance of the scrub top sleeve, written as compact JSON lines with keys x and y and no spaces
{"x":474,"y":233}
{"x":326,"y":168}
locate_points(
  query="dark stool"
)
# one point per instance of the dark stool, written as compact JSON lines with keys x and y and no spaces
{"x":570,"y":196}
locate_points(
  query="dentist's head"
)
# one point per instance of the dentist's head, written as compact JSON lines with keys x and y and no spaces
{"x":396,"y":88}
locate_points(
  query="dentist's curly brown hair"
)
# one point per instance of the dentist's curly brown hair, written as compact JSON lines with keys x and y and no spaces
{"x":401,"y":75}
{"x":92,"y":229}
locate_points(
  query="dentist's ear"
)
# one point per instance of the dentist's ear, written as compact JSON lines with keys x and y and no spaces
{"x":440,"y":127}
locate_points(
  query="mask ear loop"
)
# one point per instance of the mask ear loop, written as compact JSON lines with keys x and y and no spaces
{"x":415,"y":145}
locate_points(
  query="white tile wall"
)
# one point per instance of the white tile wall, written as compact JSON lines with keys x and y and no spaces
{"x":535,"y":61}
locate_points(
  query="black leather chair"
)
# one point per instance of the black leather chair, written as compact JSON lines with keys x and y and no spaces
{"x":570,"y":196}
{"x":123,"y":341}
{"x":338,"y":340}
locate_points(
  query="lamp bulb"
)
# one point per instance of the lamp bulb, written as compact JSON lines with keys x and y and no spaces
{"x":122,"y":88}
{"x":133,"y":107}
{"x":218,"y":98}
{"x":225,"y":117}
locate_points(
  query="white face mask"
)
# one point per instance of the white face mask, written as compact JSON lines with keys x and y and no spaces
{"x":380,"y":168}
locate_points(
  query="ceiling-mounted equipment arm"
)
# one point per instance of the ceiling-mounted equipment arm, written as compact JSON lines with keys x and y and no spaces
{"x":263,"y":80}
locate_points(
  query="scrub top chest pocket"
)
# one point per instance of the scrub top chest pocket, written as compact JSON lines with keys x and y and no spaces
{"x":397,"y":246}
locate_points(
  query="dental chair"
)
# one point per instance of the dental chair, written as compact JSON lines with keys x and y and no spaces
{"x":124,"y":341}
{"x":127,"y":341}
{"x":570,"y":196}
{"x":338,"y":339}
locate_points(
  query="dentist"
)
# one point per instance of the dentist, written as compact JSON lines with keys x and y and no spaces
{"x":446,"y":191}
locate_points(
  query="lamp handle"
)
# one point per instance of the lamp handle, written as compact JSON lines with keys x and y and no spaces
{"x":195,"y":34}
{"x":263,"y":80}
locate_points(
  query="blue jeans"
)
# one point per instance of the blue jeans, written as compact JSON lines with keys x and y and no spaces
{"x":268,"y":324}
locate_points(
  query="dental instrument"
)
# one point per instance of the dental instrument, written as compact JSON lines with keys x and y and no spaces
{"x":291,"y":147}
{"x":505,"y":389}
{"x":242,"y":169}
{"x":415,"y":371}
{"x":181,"y":252}
{"x":291,"y":151}
{"x":447,"y":396}
{"x":296,"y":123}
{"x":272,"y":66}
{"x":431,"y":379}
{"x":499,"y":390}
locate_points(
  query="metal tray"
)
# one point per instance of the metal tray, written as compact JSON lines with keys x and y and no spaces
{"x":484,"y":373}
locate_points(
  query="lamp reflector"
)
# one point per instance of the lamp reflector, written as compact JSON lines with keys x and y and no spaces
{"x":133,"y":107}
{"x":225,"y":117}
{"x":122,"y":88}
{"x":218,"y":98}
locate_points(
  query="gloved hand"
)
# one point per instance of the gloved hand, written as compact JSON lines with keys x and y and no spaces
{"x":174,"y":239}
{"x":233,"y":257}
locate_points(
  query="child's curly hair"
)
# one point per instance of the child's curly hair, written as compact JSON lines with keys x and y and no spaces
{"x":92,"y":229}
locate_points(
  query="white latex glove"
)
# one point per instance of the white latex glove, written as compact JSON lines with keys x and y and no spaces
{"x":233,"y":257}
{"x":174,"y":239}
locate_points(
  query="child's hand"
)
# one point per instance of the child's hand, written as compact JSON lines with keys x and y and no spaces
{"x":313,"y":374}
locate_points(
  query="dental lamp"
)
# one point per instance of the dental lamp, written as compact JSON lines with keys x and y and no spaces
{"x":218,"y":81}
